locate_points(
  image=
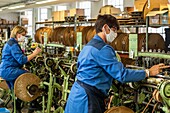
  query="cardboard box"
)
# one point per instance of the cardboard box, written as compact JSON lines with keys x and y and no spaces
{"x":109,"y":9}
{"x":164,"y":17}
{"x":158,"y":17}
{"x":78,"y":12}
{"x":139,"y":4}
{"x":63,"y":14}
{"x":24,"y":21}
{"x":56,"y":16}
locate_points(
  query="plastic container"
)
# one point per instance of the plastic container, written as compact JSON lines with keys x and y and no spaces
{"x":4,"y":110}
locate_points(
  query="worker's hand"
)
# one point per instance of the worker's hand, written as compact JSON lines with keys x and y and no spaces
{"x":37,"y":51}
{"x":156,"y":69}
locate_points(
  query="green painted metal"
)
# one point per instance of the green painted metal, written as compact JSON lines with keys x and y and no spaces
{"x":43,"y":104}
{"x":152,"y":54}
{"x":50,"y":94}
{"x":79,"y":40}
{"x":65,"y":85}
{"x":133,"y":45}
{"x":147,"y":25}
{"x":14,"y":100}
{"x":55,"y":45}
{"x":164,"y":89}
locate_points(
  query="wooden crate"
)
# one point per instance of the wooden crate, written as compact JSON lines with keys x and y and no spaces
{"x":78,"y":12}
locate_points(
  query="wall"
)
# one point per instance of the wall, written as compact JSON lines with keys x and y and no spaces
{"x":95,"y":8}
{"x":10,"y":16}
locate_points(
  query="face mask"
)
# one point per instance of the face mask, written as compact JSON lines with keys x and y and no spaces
{"x":21,"y":39}
{"x":111,"y":36}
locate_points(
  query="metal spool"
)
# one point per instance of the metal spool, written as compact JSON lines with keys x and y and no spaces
{"x":121,"y":43}
{"x":58,"y":35}
{"x":121,"y":109}
{"x":66,"y":35}
{"x":84,"y":34}
{"x":3,"y":85}
{"x":39,"y":36}
{"x":90,"y":34}
{"x":49,"y":33}
{"x":26,"y":87}
{"x":50,"y":62}
{"x":126,"y":61}
{"x":38,"y":33}
{"x":155,"y":41}
{"x":141,"y":41}
{"x":69,"y":36}
{"x":81,"y":29}
{"x":39,"y":60}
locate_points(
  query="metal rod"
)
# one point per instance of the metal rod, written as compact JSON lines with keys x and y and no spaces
{"x":50,"y":94}
{"x":149,"y":104}
{"x":147,"y":25}
{"x":43,"y":99}
{"x":148,"y":85}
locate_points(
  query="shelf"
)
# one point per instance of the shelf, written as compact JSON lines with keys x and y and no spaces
{"x":55,"y":45}
{"x":159,"y":25}
{"x":8,"y":24}
{"x":131,"y":26}
{"x":65,"y":23}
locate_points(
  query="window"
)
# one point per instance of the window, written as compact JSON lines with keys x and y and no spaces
{"x":43,"y":14}
{"x":116,"y":3}
{"x":61,"y":8}
{"x":86,"y":5}
{"x":160,"y":30}
{"x":29,"y":27}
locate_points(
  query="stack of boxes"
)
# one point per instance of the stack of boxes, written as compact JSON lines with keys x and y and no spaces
{"x":109,"y":9}
{"x":160,"y":15}
{"x":60,"y":15}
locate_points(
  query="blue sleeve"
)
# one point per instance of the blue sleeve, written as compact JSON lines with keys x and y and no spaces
{"x":18,"y":55}
{"x":108,"y":61}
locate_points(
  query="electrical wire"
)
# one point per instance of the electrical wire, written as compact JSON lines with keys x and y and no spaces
{"x":147,"y":105}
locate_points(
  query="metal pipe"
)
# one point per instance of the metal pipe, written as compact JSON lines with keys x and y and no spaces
{"x":148,"y":85}
{"x":147,"y":25}
{"x":148,"y":104}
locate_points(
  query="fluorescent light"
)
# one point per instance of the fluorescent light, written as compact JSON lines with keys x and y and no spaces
{"x":16,"y":6}
{"x":2,"y":8}
{"x":45,"y":1}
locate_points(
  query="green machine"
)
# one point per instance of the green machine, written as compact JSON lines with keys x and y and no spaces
{"x":164,"y":89}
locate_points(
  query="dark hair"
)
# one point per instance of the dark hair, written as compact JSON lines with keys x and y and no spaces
{"x":110,"y":20}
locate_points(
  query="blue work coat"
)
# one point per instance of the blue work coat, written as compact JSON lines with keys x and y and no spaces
{"x":98,"y":66}
{"x":12,"y":61}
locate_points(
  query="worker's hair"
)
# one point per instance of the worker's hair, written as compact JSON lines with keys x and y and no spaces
{"x":17,"y":30}
{"x":110,"y":20}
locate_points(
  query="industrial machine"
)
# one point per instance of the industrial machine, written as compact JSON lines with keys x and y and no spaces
{"x":52,"y":74}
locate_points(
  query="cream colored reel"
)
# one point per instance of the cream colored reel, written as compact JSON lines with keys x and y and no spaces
{"x":120,"y":109}
{"x":26,"y":87}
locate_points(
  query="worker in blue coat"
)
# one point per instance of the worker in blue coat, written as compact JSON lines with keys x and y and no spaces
{"x":13,"y":57}
{"x":97,"y":66}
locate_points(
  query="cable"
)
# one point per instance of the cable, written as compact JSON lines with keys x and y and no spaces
{"x":154,"y":107}
{"x":147,"y":105}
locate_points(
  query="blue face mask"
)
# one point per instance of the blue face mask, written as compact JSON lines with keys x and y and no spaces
{"x":111,"y":36}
